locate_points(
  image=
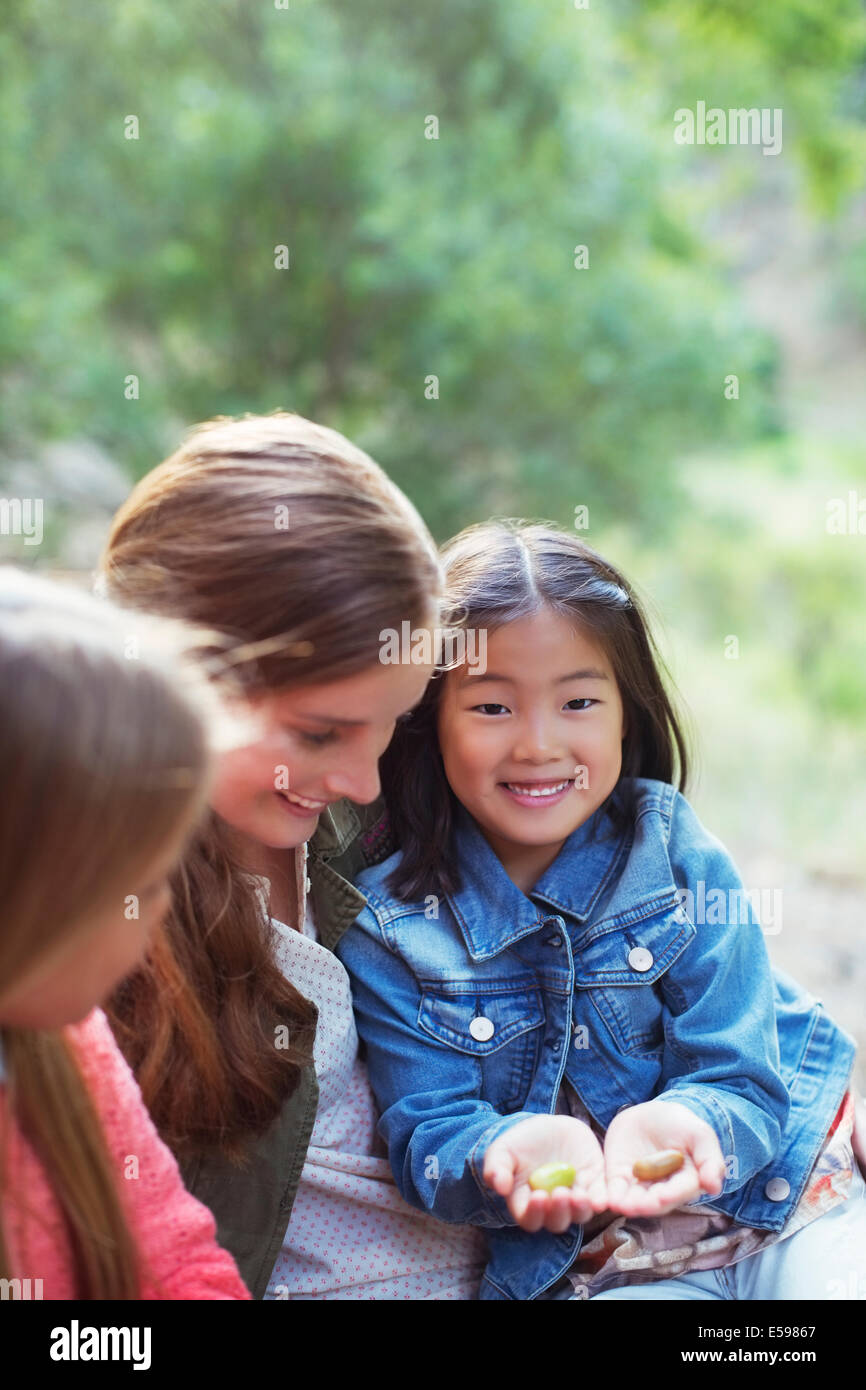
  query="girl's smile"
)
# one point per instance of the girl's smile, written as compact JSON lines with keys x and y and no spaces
{"x":538,"y":795}
{"x":297,"y":805}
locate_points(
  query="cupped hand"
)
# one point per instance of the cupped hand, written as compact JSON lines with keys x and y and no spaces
{"x":644,"y":1129}
{"x":530,"y":1144}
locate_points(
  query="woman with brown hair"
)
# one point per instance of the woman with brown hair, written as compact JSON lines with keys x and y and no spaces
{"x":294,"y":544}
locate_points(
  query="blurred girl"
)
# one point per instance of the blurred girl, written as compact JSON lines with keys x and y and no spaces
{"x":561,"y":966}
{"x":293,"y":543}
{"x":105,"y":771}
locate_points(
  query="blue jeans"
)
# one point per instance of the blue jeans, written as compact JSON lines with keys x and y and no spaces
{"x":824,"y":1260}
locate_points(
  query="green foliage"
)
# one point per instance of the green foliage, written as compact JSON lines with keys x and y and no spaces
{"x":409,"y":257}
{"x":777,"y":712}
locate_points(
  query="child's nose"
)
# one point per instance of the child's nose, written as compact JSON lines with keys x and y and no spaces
{"x":538,"y":742}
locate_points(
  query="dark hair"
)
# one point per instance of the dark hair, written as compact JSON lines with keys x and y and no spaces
{"x":497,"y":572}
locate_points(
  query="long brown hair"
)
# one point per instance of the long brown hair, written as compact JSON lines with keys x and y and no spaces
{"x":497,"y":572}
{"x":293,"y":543}
{"x":104,"y":758}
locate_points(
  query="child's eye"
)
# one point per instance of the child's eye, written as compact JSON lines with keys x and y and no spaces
{"x":490,"y":708}
{"x":582,"y":700}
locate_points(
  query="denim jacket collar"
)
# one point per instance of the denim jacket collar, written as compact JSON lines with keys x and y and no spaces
{"x":493,"y":912}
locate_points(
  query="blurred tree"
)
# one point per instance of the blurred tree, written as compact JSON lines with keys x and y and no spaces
{"x":410,"y":257}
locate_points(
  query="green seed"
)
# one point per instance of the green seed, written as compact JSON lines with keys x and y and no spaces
{"x":551,"y":1175}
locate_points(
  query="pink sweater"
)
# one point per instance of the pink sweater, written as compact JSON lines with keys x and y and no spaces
{"x":175,"y":1233}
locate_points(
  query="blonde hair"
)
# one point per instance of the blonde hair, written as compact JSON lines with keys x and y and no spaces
{"x":106,"y":760}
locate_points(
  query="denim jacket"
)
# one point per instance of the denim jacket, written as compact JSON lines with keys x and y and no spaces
{"x":608,"y":975}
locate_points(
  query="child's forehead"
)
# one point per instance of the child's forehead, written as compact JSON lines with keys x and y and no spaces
{"x":530,"y":651}
{"x":545,"y":632}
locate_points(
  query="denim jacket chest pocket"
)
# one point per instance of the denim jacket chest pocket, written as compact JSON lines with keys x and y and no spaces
{"x":499,"y":1024}
{"x":621,"y":968}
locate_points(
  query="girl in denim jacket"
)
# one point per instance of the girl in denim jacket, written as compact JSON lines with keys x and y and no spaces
{"x":561,"y":965}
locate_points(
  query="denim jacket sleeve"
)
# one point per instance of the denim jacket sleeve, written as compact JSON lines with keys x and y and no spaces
{"x":436,"y":1128}
{"x":721,"y":1029}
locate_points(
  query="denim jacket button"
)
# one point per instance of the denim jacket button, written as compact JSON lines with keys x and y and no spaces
{"x":639,"y":958}
{"x":777,"y":1189}
{"x":481,"y":1028}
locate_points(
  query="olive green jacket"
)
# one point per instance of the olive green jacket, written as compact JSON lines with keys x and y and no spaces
{"x":252,"y":1205}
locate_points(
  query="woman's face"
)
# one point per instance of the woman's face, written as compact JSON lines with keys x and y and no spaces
{"x":312,"y":746}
